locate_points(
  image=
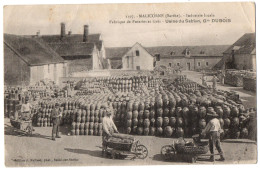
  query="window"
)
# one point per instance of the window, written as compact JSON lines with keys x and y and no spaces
{"x":138,"y":67}
{"x":157,"y":56}
{"x":199,"y":64}
{"x":170,"y":64}
{"x":207,"y":63}
{"x":178,"y":64}
{"x":137,"y":53}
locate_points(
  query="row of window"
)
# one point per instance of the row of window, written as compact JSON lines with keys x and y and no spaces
{"x":199,"y":64}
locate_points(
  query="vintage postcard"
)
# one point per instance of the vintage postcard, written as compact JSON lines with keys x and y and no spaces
{"x":130,"y":84}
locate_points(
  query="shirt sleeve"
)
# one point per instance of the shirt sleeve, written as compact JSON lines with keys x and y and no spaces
{"x":113,"y":125}
{"x":207,"y":128}
{"x":22,"y":108}
{"x":105,"y":127}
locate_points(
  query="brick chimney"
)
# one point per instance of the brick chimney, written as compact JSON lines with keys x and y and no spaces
{"x":38,"y":33}
{"x":62,"y":30}
{"x":85,"y":34}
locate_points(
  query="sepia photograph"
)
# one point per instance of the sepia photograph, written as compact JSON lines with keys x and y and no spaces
{"x":130,"y":84}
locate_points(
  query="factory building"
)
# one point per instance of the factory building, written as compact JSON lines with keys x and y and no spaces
{"x":183,"y":57}
{"x":28,"y":60}
{"x":242,"y":54}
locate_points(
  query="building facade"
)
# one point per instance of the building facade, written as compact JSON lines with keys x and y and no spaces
{"x":27,"y":61}
{"x":137,"y":58}
{"x":78,"y":48}
{"x":242,"y":54}
{"x":175,"y":57}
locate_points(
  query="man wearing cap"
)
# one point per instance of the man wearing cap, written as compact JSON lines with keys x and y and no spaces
{"x":26,"y":109}
{"x":213,"y":128}
{"x":109,"y":126}
{"x":56,"y":115}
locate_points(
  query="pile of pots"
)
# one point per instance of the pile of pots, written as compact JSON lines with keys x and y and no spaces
{"x":176,"y":114}
{"x":43,"y":115}
{"x":87,"y":120}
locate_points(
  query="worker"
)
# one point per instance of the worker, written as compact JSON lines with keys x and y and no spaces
{"x":214,"y":82}
{"x":204,"y":80}
{"x":26,"y":109}
{"x":222,"y":77}
{"x":109,"y":126}
{"x":213,"y":129}
{"x":56,"y":116}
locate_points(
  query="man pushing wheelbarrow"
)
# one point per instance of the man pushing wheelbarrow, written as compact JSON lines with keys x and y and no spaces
{"x":120,"y":145}
{"x":213,"y":130}
{"x":109,"y":126}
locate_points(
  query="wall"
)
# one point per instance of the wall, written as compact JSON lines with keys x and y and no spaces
{"x":144,"y":60}
{"x":16,"y":71}
{"x":51,"y":71}
{"x":212,"y":61}
{"x":60,"y":72}
{"x":79,"y":65}
{"x":95,"y":59}
{"x":181,"y":60}
{"x":253,"y":61}
{"x":37,"y":73}
{"x":245,"y":61}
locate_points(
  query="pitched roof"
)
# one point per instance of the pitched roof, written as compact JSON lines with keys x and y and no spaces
{"x":73,"y":49}
{"x":32,"y":51}
{"x":115,"y":53}
{"x":244,"y":45}
{"x":73,"y":38}
{"x":171,"y":51}
{"x":73,"y":45}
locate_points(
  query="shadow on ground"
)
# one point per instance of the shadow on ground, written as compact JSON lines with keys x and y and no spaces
{"x":239,"y":141}
{"x":179,"y":159}
{"x":94,"y":153}
{"x":10,"y":130}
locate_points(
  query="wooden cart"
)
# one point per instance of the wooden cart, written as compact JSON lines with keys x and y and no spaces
{"x":189,"y":152}
{"x":23,"y":126}
{"x":129,"y":149}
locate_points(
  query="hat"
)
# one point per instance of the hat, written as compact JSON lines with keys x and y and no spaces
{"x":108,"y":113}
{"x":212,"y":114}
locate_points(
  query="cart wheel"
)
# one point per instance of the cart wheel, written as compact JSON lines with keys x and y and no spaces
{"x":141,"y":151}
{"x":167,"y":151}
{"x":29,"y":130}
{"x":193,"y":159}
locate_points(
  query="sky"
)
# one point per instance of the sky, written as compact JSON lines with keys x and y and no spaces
{"x":27,"y":20}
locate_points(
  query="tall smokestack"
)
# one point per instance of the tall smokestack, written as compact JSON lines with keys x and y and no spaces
{"x":38,"y":33}
{"x":85,"y":34}
{"x":62,"y":30}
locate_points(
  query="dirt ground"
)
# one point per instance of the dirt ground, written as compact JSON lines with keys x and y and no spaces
{"x":40,"y":150}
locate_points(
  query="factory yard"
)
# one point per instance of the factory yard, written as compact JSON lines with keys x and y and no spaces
{"x":40,"y":150}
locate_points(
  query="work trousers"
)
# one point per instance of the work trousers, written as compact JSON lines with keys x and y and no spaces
{"x":56,"y":127}
{"x":214,"y":141}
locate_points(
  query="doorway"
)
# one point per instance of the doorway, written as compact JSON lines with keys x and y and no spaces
{"x":188,"y":66}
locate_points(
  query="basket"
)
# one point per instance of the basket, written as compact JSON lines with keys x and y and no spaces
{"x":119,"y":146}
{"x":182,"y":149}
